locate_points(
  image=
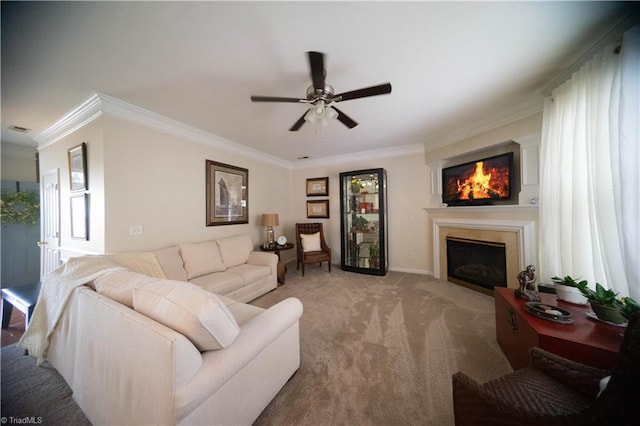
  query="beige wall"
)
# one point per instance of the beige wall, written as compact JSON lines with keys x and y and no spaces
{"x":55,"y":156}
{"x":407,"y":180}
{"x":142,"y":176}
{"x":158,"y":181}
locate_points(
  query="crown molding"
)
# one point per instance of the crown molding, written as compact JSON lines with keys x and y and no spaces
{"x":99,"y":104}
{"x":72,"y":120}
{"x":523,"y":109}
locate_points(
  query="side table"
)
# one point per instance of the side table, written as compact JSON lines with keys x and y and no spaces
{"x":587,"y":341}
{"x":282,"y":267}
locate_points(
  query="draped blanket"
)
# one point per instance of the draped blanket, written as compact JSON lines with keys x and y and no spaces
{"x":58,"y":285}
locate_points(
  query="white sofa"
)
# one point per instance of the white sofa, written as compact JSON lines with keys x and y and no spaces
{"x":227,"y":266}
{"x":177,"y":355}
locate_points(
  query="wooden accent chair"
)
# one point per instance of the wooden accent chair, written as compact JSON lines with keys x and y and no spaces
{"x":323,"y":252}
{"x":555,"y":391}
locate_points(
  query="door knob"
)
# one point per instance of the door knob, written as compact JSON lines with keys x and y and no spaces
{"x":41,"y":243}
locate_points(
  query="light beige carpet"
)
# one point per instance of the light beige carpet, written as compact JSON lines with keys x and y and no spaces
{"x":381,"y":350}
{"x":374,"y":350}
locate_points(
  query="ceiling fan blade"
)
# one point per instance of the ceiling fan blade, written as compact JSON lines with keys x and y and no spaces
{"x":381,"y":89}
{"x":298,"y":123}
{"x":345,"y":119}
{"x":276,"y":99}
{"x":316,"y":63}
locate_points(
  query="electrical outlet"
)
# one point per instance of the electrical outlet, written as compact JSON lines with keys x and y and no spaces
{"x":412,"y":254}
{"x":135,"y":229}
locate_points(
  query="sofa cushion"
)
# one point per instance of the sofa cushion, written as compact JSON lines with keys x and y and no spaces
{"x":310,"y":242}
{"x":201,"y":258}
{"x":235,"y":250}
{"x":220,"y":282}
{"x":250,"y":273}
{"x":197,"y":314}
{"x":172,"y":263}
{"x":119,"y":285}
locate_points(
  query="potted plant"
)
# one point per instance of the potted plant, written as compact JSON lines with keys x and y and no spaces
{"x":629,"y":307}
{"x":374,"y":255}
{"x":361,"y":222}
{"x":604,"y":303}
{"x":568,"y":289}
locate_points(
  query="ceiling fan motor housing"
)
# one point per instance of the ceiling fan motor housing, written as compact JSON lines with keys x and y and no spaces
{"x":326,"y":95}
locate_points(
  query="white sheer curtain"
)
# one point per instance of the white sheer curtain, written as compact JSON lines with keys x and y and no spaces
{"x":580,"y":207}
{"x":630,"y":157}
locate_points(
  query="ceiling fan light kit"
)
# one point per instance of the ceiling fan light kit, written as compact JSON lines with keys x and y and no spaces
{"x":321,"y":95}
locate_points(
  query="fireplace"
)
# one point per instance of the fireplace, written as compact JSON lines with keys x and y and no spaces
{"x":476,"y":263}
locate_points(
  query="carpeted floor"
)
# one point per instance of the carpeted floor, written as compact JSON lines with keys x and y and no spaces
{"x":374,"y":350}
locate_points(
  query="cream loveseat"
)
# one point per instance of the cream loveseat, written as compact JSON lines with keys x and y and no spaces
{"x":227,"y":266}
{"x":137,"y":348}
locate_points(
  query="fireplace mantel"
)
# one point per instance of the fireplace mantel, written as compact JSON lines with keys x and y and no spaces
{"x":516,"y":208}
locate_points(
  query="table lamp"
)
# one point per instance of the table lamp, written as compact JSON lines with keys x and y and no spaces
{"x":270,"y":220}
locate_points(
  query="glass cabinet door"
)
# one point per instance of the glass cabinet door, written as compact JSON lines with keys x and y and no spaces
{"x":363,"y":221}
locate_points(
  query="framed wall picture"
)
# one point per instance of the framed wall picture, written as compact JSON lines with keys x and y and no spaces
{"x":318,"y":209}
{"x":80,"y":217}
{"x":318,"y":187}
{"x":78,"y":168}
{"x":227,"y":194}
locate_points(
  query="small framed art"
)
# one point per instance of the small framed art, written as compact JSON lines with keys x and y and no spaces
{"x":227,"y":194}
{"x":318,"y":187}
{"x":318,"y":209}
{"x":80,"y":217}
{"x":78,"y":167}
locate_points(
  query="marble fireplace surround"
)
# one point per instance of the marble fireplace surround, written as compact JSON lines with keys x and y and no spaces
{"x":518,"y":235}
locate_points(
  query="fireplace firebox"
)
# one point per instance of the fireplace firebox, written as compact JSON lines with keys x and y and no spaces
{"x":477,"y":264}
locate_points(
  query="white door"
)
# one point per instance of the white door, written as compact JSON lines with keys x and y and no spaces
{"x":49,"y":222}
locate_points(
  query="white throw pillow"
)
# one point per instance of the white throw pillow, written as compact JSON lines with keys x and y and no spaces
{"x":196,"y":313}
{"x":310,"y":242}
{"x":119,"y":285}
{"x":201,"y":258}
{"x":235,"y":250}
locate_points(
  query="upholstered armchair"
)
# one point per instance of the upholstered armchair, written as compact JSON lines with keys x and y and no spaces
{"x":311,"y":245}
{"x":556,"y":391}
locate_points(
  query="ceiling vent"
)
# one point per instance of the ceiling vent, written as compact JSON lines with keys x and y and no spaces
{"x":19,"y":129}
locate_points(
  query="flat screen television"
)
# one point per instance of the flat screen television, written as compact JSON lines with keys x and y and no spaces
{"x":482,"y":182}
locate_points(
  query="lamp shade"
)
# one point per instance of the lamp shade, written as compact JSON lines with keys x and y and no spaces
{"x":270,"y":219}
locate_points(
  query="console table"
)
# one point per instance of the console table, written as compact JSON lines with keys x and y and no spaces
{"x":587,"y":341}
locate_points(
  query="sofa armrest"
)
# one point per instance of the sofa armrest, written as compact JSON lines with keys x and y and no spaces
{"x":264,"y":258}
{"x":220,"y":366}
{"x":576,"y":376}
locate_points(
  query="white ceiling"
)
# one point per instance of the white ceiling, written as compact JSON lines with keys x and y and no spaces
{"x":453,"y":65}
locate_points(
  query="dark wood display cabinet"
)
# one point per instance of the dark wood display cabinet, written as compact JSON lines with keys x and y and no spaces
{"x":363,"y":221}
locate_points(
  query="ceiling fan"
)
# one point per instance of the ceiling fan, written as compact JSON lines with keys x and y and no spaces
{"x":321,"y":96}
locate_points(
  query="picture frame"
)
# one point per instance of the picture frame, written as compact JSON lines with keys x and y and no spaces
{"x":318,"y":187}
{"x":318,"y":209}
{"x":227,"y":195}
{"x":80,"y":217}
{"x":78,"y":168}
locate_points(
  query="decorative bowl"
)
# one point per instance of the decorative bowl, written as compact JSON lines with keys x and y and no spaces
{"x":570,"y":294}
